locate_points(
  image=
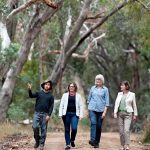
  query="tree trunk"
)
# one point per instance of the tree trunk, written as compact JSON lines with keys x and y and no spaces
{"x":63,"y":58}
{"x":12,"y":22}
{"x":135,"y":77}
{"x":42,"y":45}
{"x":33,"y":30}
{"x":81,"y":91}
{"x":10,"y":81}
{"x":70,"y":45}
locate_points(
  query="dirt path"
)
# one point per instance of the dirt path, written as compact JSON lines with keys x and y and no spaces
{"x":109,"y":141}
{"x":56,"y":141}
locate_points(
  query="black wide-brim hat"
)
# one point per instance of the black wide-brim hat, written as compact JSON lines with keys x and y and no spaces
{"x":47,"y":81}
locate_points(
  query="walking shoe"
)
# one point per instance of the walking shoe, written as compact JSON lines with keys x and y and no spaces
{"x":92,"y":143}
{"x":41,"y":147}
{"x":67,"y":147}
{"x":36,"y":145}
{"x":72,"y":144}
{"x":96,"y":145}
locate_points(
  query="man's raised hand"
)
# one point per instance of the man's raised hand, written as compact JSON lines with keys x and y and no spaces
{"x":29,"y":86}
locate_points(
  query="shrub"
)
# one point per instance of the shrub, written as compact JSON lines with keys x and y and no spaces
{"x":146,"y":138}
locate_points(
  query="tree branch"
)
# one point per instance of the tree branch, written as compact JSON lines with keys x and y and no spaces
{"x":146,"y":6}
{"x":85,"y":53}
{"x":99,"y":15}
{"x":29,"y":3}
{"x":21,"y":8}
{"x":78,"y":24}
{"x":95,"y":26}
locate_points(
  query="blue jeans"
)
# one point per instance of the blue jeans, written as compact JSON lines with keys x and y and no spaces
{"x":70,"y":120}
{"x":40,"y":127}
{"x":96,"y":126}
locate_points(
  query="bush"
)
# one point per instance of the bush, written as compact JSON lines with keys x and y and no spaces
{"x":16,"y":113}
{"x":146,"y":138}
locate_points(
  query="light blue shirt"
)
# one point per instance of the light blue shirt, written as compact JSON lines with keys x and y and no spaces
{"x":98,"y":99}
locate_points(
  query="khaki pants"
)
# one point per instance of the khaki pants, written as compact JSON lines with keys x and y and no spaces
{"x":124,"y":122}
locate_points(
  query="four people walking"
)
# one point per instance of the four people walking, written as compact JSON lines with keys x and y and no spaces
{"x":71,"y":110}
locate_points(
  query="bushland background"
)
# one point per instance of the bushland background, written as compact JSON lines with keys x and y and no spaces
{"x":74,"y":42}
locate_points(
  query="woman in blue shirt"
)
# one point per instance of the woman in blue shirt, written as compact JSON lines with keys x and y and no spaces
{"x":98,"y":101}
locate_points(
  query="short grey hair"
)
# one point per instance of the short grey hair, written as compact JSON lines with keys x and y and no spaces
{"x":99,"y":76}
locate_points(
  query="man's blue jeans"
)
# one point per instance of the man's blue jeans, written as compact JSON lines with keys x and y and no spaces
{"x":96,"y":126}
{"x":70,"y":120}
{"x":40,"y":127}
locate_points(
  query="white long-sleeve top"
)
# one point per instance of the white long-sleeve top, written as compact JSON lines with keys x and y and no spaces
{"x":64,"y":104}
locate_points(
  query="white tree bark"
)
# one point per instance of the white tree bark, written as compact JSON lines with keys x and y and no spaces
{"x":4,"y":36}
{"x":68,"y":25}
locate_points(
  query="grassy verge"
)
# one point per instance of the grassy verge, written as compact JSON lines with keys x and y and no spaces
{"x":7,"y":129}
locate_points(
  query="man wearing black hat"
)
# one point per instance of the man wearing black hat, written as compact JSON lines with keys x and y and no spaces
{"x":43,"y":109}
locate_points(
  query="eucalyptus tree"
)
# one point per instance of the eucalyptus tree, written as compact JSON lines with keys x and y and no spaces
{"x":71,"y":41}
{"x":38,"y":19}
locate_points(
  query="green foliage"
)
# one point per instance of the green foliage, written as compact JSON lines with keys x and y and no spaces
{"x":89,"y":73}
{"x":146,"y":138}
{"x":85,"y":122}
{"x":9,"y":54}
{"x":3,"y":9}
{"x":30,"y":73}
{"x":16,"y":112}
{"x":144,"y":103}
{"x":22,"y":104}
{"x":78,"y":65}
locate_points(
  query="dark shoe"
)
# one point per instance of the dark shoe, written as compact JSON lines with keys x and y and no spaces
{"x":72,"y":144}
{"x":41,"y":147}
{"x":96,"y":145}
{"x":92,"y":143}
{"x":36,"y":145}
{"x":67,"y":147}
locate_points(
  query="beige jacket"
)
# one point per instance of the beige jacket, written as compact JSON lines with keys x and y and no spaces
{"x":64,"y":104}
{"x":130,"y":103}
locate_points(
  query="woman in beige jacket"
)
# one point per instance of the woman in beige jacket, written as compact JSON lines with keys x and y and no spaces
{"x":125,"y":110}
